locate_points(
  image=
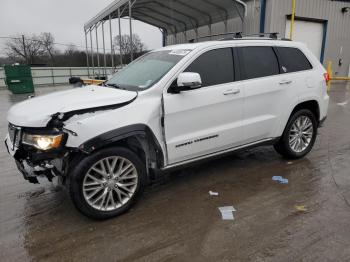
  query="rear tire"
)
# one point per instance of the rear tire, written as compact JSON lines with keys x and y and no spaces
{"x":107,"y":183}
{"x":299,"y":135}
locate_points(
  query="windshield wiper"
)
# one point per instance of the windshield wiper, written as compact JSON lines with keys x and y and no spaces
{"x":114,"y":85}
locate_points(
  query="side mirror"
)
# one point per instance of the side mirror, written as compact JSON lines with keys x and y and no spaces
{"x":189,"y":80}
{"x":186,"y":81}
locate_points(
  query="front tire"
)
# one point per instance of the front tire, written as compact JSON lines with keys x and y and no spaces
{"x":107,"y":183}
{"x":299,"y":135}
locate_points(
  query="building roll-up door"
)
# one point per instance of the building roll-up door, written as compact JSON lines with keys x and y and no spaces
{"x":309,"y":33}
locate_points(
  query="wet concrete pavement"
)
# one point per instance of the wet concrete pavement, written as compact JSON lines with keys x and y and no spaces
{"x":177,"y":220}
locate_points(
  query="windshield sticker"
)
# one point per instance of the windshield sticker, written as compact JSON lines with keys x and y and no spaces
{"x":181,"y":52}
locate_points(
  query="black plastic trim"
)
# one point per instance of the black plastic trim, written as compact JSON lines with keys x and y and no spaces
{"x":195,"y":162}
{"x":118,"y":134}
{"x":321,"y":122}
{"x":236,"y":66}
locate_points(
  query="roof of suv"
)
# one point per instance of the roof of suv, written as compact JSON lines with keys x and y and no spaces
{"x":192,"y":46}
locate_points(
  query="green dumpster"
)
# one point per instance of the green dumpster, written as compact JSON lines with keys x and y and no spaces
{"x":19,"y":79}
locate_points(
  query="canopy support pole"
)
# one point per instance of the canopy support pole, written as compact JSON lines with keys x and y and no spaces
{"x":87,"y":53}
{"x":104,"y":51}
{"x":97,"y":51}
{"x":164,"y":36}
{"x":210,"y":31}
{"x":120,"y":40}
{"x":92,"y":54}
{"x":111,"y":38}
{"x":240,"y":15}
{"x":131,"y":41}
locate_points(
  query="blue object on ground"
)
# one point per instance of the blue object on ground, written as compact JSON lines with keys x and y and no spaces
{"x":284,"y":181}
{"x":280,"y":179}
{"x":276,"y":178}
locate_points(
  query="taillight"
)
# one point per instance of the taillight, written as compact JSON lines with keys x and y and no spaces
{"x":326,"y":77}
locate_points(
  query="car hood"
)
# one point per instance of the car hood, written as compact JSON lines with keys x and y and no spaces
{"x":38,"y":111}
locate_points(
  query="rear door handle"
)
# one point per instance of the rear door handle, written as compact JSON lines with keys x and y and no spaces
{"x":286,"y":82}
{"x":231,"y":92}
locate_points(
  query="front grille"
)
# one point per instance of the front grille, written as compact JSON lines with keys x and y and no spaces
{"x":14,"y":134}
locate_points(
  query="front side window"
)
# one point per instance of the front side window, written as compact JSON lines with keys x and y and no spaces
{"x":292,"y":60}
{"x":147,"y":70}
{"x":215,"y":67}
{"x":257,"y":61}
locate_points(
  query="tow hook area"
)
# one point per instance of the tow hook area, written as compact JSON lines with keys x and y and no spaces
{"x":31,"y":173}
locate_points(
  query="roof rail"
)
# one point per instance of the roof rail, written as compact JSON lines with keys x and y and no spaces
{"x":235,"y":34}
{"x":267,"y":36}
{"x":273,"y":35}
{"x":241,"y":36}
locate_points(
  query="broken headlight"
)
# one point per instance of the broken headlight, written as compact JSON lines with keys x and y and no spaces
{"x":43,"y":142}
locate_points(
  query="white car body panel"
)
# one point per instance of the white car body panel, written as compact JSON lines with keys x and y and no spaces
{"x":264,"y":98}
{"x":259,"y":111}
{"x":208,"y":119}
{"x":36,"y":112}
{"x":144,"y":110}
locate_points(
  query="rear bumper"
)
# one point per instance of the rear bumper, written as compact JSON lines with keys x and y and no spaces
{"x":323,"y":104}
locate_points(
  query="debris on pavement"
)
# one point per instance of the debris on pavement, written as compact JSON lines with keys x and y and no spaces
{"x":343,"y":103}
{"x":276,"y":178}
{"x":289,"y":163}
{"x":300,"y":208}
{"x":226,"y":212}
{"x":284,"y":181}
{"x":212,"y":193}
{"x":280,"y":179}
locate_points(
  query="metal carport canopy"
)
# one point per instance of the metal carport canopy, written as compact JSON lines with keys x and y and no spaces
{"x":173,"y":16}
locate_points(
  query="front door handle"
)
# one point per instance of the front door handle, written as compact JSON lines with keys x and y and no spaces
{"x":231,"y":92}
{"x":286,"y":82}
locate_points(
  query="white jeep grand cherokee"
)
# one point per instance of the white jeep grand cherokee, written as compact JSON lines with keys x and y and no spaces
{"x":173,"y":106}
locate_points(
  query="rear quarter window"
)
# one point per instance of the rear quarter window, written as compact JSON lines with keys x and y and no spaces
{"x":292,"y":60}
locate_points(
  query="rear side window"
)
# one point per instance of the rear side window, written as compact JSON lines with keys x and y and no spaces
{"x":257,"y":61}
{"x":292,"y":60}
{"x":215,"y":67}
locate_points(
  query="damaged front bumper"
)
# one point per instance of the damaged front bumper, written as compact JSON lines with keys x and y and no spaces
{"x":34,"y":165}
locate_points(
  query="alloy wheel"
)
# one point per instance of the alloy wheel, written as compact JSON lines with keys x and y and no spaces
{"x":301,"y":133}
{"x":110,"y":183}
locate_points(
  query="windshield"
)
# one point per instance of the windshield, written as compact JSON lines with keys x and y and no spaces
{"x":147,"y":70}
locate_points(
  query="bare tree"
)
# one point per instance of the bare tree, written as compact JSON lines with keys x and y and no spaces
{"x":24,"y":48}
{"x":47,"y":40}
{"x":123,"y":45}
{"x":70,"y":50}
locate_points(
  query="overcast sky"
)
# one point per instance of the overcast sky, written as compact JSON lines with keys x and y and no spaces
{"x":64,"y":19}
